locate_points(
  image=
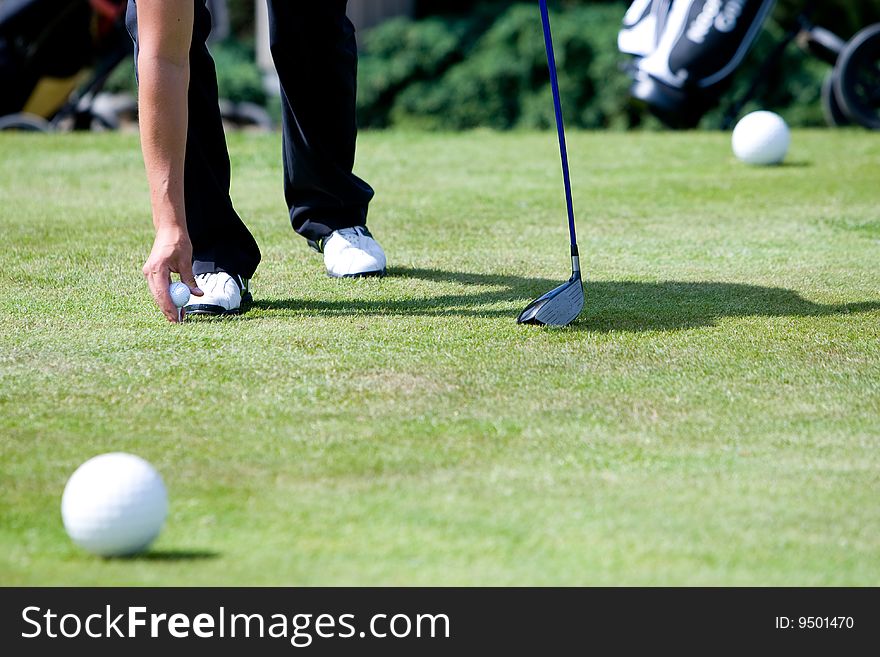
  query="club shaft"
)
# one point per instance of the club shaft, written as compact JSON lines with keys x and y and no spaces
{"x":560,"y":124}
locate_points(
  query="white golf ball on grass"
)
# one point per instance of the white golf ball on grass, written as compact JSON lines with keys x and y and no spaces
{"x":114,"y":505}
{"x":761,"y":138}
{"x":180,"y":294}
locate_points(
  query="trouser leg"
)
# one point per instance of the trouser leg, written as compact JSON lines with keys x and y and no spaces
{"x":220,"y":239}
{"x":315,"y":52}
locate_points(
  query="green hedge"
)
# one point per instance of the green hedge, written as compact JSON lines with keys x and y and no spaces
{"x":488,"y":68}
{"x":238,"y":77}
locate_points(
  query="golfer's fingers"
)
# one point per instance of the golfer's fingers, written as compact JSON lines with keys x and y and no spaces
{"x":159,"y":280}
{"x":187,"y":278}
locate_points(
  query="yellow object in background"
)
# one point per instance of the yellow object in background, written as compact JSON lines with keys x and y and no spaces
{"x":50,"y":94}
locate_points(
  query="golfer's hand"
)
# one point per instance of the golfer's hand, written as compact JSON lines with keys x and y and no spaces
{"x":171,"y":254}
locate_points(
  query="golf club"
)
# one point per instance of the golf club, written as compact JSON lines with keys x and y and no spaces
{"x":562,"y":305}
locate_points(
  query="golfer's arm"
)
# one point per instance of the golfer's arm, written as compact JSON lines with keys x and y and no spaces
{"x":164,"y":38}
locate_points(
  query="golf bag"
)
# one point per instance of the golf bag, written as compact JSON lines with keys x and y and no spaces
{"x":686,"y":51}
{"x":642,"y":26}
{"x":52,"y":51}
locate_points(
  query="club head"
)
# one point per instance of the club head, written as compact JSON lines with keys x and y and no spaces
{"x":559,"y":307}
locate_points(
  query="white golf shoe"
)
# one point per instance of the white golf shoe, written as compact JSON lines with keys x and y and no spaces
{"x":224,"y":295}
{"x":352,"y":253}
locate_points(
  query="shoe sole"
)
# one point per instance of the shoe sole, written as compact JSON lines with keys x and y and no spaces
{"x":215,"y":311}
{"x":207,"y":309}
{"x":366,"y":274}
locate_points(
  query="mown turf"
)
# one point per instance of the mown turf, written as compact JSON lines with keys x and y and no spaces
{"x":713,"y":418}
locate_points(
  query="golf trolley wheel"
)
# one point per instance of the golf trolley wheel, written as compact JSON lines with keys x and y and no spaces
{"x":25,"y":123}
{"x":857,"y":78}
{"x":834,"y":114}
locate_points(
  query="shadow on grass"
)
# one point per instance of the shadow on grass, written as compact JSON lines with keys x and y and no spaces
{"x":611,"y":305}
{"x":174,"y":555}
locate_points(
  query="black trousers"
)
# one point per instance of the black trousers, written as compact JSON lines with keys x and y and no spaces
{"x":313,"y":45}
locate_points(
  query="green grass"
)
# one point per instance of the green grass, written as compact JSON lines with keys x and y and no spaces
{"x":712,"y":419}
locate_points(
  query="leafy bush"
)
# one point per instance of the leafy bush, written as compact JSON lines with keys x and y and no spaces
{"x":238,"y":77}
{"x":122,"y":78}
{"x":403,"y":53}
{"x":487,"y":87}
{"x":492,"y":70}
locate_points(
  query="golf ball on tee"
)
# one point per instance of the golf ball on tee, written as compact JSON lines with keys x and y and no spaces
{"x":114,"y":505}
{"x":761,"y":138}
{"x":180,"y":294}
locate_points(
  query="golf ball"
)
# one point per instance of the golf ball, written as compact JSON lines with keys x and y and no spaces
{"x":179,"y":294}
{"x":761,"y":138}
{"x":114,"y":505}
